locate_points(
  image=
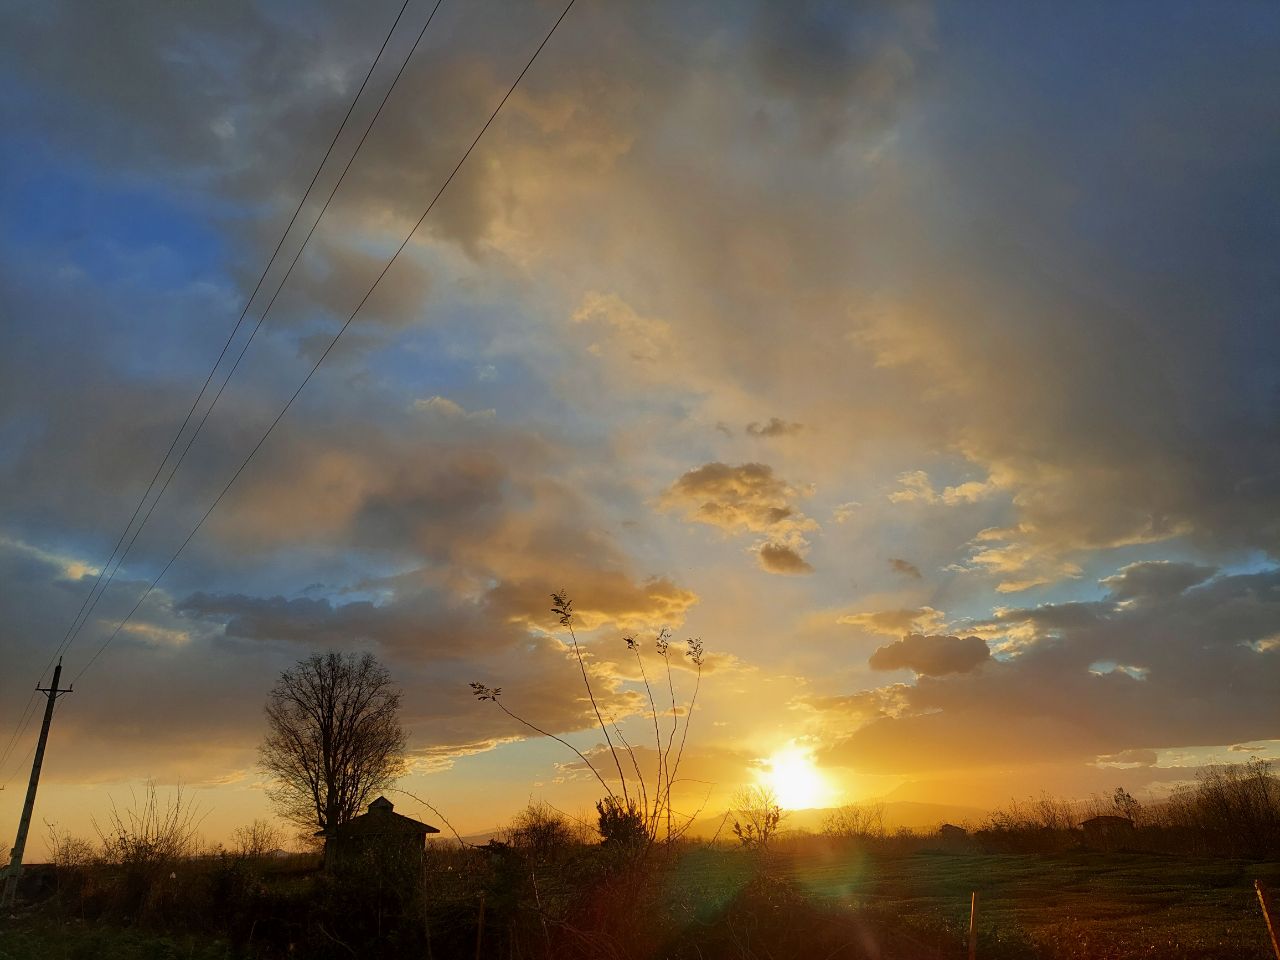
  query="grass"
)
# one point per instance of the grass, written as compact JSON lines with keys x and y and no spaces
{"x":82,"y":941}
{"x":813,"y":895}
{"x":1079,"y":904}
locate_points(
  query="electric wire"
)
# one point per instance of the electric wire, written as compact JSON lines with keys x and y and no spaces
{"x":99,"y":587}
{"x":266,"y":312}
{"x":332,"y":343}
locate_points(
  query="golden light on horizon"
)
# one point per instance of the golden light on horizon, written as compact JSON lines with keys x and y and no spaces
{"x":794,"y":778}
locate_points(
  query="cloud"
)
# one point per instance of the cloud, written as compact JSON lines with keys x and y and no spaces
{"x":905,"y":567}
{"x":1013,"y":556}
{"x":444,"y":407}
{"x":779,"y":558}
{"x":601,"y":598}
{"x":930,"y":655}
{"x":1155,"y":579}
{"x":1117,"y":398}
{"x":748,"y":497}
{"x":838,"y":79}
{"x":1129,"y":758}
{"x":625,"y":338}
{"x":916,"y":487}
{"x":1204,"y":683}
{"x":774,"y":428}
{"x":895,"y":623}
{"x":845,"y":512}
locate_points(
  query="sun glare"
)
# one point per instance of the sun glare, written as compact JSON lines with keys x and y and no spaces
{"x":792,"y":776}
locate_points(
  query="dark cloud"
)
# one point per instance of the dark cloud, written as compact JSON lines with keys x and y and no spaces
{"x":1053,"y":616}
{"x":779,"y":558}
{"x":419,"y":626}
{"x":845,"y":68}
{"x":931,"y":656}
{"x":774,"y":427}
{"x":1156,"y":579}
{"x":905,"y":567}
{"x":1133,"y":408}
{"x":1204,"y":674}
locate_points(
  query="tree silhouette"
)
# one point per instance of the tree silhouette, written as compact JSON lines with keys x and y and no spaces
{"x":758,"y":814}
{"x":333,"y":738}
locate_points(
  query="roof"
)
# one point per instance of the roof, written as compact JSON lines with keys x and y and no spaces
{"x":381,"y":820}
{"x":1107,"y":820}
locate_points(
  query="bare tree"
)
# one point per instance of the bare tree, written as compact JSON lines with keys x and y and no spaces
{"x":853,"y":822}
{"x":757,"y":816}
{"x":255,"y":840}
{"x":333,"y":738}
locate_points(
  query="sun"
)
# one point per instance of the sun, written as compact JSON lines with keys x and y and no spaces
{"x":794,"y":779}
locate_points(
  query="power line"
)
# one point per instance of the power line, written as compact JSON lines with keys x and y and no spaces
{"x":332,"y":343}
{"x":270,"y":303}
{"x":86,"y":608}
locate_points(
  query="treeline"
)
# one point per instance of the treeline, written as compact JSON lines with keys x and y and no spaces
{"x":1230,"y":810}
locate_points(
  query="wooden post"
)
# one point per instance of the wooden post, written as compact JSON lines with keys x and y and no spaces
{"x":426,"y":922}
{"x":1268,"y":914}
{"x":973,"y":926}
{"x":11,"y":876}
{"x":480,"y":928}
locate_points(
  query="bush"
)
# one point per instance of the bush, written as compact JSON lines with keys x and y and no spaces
{"x":150,"y":844}
{"x":621,"y":825}
{"x":544,"y":833}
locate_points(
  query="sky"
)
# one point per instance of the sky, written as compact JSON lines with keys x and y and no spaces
{"x":920,"y":359}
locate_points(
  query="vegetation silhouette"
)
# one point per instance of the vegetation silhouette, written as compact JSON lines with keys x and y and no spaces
{"x":640,"y":812}
{"x":333,"y":738}
{"x":552,"y":887}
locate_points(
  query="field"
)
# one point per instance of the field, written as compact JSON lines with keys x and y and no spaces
{"x":807,"y":899}
{"x":1078,"y":904}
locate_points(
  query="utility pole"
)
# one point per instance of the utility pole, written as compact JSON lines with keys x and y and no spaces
{"x":11,"y":876}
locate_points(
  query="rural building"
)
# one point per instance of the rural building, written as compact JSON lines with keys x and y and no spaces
{"x":381,"y":835}
{"x":950,"y":833}
{"x":1107,"y":831}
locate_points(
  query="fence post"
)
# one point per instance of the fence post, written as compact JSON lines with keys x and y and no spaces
{"x":480,"y":927}
{"x":1268,"y":914}
{"x":973,"y":926}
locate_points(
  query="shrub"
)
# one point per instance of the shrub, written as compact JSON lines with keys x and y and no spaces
{"x":542,"y":831}
{"x":621,"y":825}
{"x":150,"y":842}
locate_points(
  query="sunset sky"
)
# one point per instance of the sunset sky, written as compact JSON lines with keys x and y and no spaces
{"x":835,"y":334}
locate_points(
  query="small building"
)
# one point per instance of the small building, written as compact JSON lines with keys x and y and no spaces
{"x":1107,"y":831}
{"x":380,"y":836}
{"x":950,"y":833}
